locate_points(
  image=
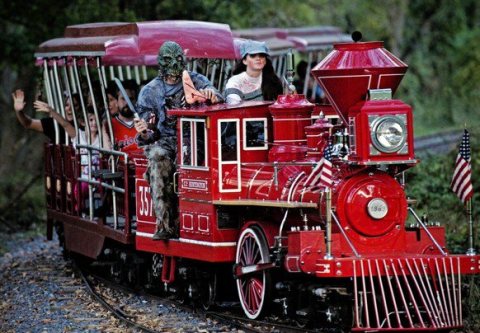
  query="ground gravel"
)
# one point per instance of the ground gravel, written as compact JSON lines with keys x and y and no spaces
{"x":39,"y":292}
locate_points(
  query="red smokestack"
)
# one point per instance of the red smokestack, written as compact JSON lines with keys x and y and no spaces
{"x":351,"y":69}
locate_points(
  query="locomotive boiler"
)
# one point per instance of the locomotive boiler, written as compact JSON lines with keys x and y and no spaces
{"x":310,"y":215}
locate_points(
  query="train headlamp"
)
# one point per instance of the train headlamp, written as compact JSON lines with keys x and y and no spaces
{"x":388,"y":134}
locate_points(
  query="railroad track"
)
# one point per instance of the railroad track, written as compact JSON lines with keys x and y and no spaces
{"x":225,"y":318}
{"x":438,"y":143}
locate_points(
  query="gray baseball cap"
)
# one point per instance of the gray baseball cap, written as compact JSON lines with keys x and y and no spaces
{"x":253,"y":47}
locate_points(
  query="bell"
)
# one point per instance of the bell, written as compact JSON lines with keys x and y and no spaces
{"x":340,"y":144}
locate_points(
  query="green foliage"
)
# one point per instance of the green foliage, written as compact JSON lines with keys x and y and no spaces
{"x":242,"y":14}
{"x":441,"y":49}
{"x":25,"y":202}
{"x":472,"y":303}
{"x":84,"y":11}
{"x":467,"y":74}
{"x":25,"y":26}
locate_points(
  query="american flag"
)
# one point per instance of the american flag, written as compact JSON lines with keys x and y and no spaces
{"x":462,"y":175}
{"x":322,"y":171}
{"x":326,"y":177}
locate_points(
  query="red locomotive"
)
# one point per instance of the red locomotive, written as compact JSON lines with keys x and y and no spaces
{"x":311,"y":216}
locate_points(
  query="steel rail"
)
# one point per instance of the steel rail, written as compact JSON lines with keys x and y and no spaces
{"x":437,"y":142}
{"x":122,"y":316}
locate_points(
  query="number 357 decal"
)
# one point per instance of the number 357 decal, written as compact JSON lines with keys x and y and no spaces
{"x":144,"y":200}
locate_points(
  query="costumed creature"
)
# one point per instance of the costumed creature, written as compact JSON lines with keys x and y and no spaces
{"x":166,"y":92}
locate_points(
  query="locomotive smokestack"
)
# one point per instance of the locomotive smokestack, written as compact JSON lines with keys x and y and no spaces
{"x":351,"y":69}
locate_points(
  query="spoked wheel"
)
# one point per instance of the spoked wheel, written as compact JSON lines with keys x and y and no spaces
{"x":253,"y":288}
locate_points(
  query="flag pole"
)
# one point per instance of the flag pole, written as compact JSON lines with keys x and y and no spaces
{"x":328,"y":217}
{"x":471,"y":249}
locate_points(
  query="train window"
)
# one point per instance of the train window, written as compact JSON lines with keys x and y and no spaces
{"x":255,"y":134}
{"x":200,"y":143}
{"x":194,"y":148}
{"x":186,"y":143}
{"x":228,"y":130}
{"x":229,"y":155}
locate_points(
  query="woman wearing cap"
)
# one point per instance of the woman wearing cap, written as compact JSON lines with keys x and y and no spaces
{"x":254,"y":77}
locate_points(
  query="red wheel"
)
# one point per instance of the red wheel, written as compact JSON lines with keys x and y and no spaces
{"x":254,"y":288}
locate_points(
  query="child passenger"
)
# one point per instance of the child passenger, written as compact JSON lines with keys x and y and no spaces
{"x":254,"y":77}
{"x":82,"y":139}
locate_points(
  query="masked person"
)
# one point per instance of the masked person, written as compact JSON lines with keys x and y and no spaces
{"x":163,"y":93}
{"x":254,"y":77}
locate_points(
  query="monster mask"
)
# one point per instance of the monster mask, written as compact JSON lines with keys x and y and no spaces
{"x":171,"y":61}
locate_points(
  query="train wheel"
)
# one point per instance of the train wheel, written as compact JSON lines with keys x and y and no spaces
{"x":116,"y":272}
{"x":61,"y":240}
{"x":253,"y":289}
{"x":208,"y":293}
{"x":154,"y":273}
{"x":132,"y":275}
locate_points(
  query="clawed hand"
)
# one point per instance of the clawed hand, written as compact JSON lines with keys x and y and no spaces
{"x":209,"y":94}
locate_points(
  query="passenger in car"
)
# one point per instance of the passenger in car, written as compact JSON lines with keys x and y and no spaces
{"x":112,"y":101}
{"x":299,"y":83}
{"x":124,"y":132}
{"x":94,"y":141}
{"x":46,"y":125}
{"x":162,"y":93}
{"x":254,"y":77}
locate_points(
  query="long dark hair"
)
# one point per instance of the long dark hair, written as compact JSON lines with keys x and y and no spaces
{"x":271,"y":84}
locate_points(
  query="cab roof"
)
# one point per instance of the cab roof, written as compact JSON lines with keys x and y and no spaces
{"x":122,"y":43}
{"x":303,"y":39}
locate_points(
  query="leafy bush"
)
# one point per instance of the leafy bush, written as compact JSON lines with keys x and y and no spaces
{"x":22,"y":203}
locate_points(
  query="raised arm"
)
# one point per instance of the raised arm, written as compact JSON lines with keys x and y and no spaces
{"x":18,"y":105}
{"x":44,"y":107}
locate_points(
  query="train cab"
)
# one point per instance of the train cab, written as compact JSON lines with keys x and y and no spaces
{"x":213,"y":143}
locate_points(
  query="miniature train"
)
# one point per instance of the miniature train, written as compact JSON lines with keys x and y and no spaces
{"x":309,"y":213}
